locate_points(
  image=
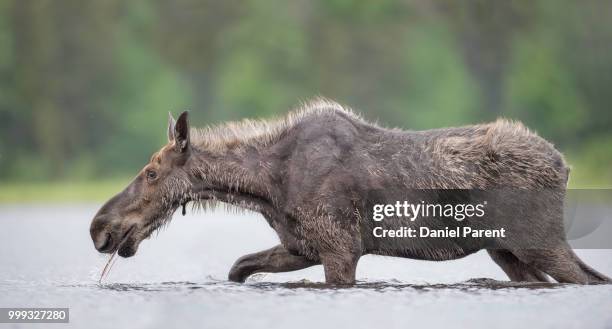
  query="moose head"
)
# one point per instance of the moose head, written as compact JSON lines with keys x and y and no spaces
{"x":149,"y":201}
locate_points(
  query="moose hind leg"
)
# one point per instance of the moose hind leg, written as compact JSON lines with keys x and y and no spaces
{"x":273,"y":260}
{"x":516,"y":269}
{"x":558,"y":262}
{"x":593,"y":275}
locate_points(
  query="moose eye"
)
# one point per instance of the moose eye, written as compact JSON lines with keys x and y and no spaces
{"x":151,"y":175}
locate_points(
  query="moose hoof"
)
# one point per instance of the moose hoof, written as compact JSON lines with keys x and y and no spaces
{"x":239,"y":273}
{"x":237,"y":277}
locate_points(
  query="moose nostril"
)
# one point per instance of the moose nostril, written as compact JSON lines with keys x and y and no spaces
{"x":105,"y":243}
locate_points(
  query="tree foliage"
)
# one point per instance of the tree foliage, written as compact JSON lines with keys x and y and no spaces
{"x":85,"y":86}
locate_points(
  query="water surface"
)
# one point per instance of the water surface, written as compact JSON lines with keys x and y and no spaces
{"x":178,"y":279}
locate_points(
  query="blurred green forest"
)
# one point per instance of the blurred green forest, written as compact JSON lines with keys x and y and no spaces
{"x":85,"y":86}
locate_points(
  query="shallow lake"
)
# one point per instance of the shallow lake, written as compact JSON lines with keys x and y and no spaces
{"x":178,"y":279}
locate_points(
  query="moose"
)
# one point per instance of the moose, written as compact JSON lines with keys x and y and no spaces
{"x":316,"y":173}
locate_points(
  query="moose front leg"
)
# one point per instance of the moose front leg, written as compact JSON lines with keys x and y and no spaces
{"x":339,"y":248}
{"x":273,"y":260}
{"x":339,"y":267}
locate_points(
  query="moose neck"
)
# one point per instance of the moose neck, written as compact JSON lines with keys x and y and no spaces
{"x":239,"y":175}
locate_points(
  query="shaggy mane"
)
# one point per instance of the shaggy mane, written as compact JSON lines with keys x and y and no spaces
{"x":262,"y":132}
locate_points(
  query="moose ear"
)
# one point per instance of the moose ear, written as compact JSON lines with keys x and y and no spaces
{"x":181,"y":132}
{"x":171,"y":124}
